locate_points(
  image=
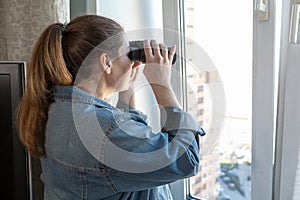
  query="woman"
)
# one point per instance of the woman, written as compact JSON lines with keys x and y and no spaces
{"x":88,"y":148}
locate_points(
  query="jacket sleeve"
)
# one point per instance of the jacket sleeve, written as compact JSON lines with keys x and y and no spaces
{"x":138,"y":158}
{"x":129,"y":109}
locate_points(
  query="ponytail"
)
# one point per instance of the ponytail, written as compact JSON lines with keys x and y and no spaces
{"x":47,"y":68}
{"x":56,"y":59}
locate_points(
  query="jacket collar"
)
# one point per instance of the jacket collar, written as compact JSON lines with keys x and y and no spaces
{"x":74,"y":94}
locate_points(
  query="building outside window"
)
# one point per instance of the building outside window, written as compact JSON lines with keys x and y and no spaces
{"x":228,"y":42}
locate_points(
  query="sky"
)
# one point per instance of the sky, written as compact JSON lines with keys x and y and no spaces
{"x":225,"y":33}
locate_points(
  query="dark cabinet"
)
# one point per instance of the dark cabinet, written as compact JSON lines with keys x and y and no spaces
{"x":15,"y":166}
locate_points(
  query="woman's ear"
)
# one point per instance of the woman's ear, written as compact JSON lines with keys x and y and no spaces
{"x":105,"y":63}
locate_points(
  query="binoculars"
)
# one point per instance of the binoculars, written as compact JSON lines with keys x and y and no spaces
{"x":137,"y":52}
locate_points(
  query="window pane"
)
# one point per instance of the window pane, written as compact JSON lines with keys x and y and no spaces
{"x":219,"y":52}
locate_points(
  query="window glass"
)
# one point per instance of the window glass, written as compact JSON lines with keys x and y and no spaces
{"x":219,"y":56}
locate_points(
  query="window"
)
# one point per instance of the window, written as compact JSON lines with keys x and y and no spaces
{"x":200,"y":100}
{"x":200,"y":88}
{"x":221,"y":53}
{"x":200,"y":112}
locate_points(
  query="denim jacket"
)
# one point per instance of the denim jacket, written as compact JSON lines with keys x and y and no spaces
{"x":97,"y":151}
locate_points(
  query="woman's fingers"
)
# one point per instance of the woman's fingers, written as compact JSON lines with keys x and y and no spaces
{"x":155,"y":48}
{"x":147,"y":50}
{"x":136,"y":64}
{"x":158,"y":53}
{"x":172,"y":53}
{"x":164,"y":52}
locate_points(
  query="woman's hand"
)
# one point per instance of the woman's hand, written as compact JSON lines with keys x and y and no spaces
{"x":158,"y":63}
{"x":158,"y":70}
{"x":127,"y":97}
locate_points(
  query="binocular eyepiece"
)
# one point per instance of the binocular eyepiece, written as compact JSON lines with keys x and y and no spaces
{"x":137,"y":52}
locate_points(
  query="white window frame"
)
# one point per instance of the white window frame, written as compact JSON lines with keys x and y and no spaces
{"x":287,"y":134}
{"x":263,"y":104}
{"x":172,"y":21}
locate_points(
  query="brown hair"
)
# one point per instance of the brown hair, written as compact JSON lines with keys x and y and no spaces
{"x":56,"y":58}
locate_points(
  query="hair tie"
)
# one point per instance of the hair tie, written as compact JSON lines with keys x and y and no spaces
{"x":64,"y":27}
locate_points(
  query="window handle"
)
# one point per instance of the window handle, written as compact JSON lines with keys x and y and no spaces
{"x":294,"y":37}
{"x":262,"y":5}
{"x":262,"y":8}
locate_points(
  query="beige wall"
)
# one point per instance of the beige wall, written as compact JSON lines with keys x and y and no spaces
{"x":22,"y":21}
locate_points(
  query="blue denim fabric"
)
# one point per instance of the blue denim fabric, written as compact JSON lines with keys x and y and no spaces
{"x":97,"y":151}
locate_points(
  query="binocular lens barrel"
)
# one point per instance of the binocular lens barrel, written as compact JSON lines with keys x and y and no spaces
{"x":137,"y":52}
